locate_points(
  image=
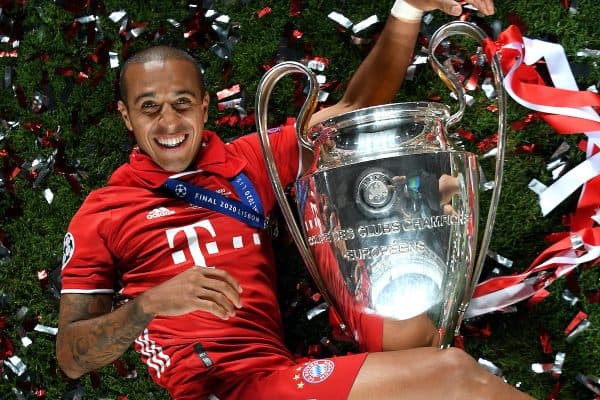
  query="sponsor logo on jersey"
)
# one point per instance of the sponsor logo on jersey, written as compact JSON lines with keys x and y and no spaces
{"x":68,"y":248}
{"x":159,"y":212}
{"x":317,"y":371}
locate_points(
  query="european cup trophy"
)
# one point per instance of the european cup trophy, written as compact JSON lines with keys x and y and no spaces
{"x":387,"y":219}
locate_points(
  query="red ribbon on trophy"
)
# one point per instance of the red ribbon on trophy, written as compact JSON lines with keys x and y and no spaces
{"x":569,"y":111}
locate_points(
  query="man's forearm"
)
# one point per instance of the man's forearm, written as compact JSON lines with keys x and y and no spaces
{"x":381,"y":74}
{"x":88,"y":344}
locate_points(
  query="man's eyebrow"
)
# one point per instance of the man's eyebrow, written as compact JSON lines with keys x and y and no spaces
{"x":185,"y":91}
{"x":152,"y":94}
{"x":141,"y":96}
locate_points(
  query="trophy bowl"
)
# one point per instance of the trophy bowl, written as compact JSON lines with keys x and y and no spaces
{"x":387,"y":218}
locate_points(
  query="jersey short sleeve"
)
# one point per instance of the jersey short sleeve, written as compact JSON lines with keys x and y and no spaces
{"x":88,"y":265}
{"x":286,"y":152}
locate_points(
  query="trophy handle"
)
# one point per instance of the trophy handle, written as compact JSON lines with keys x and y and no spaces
{"x":263,"y":93}
{"x":476,"y":33}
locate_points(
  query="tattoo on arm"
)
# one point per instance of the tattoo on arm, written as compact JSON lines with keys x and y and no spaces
{"x":93,"y":334}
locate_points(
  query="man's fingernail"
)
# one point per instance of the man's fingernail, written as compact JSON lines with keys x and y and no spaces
{"x":456,"y":10}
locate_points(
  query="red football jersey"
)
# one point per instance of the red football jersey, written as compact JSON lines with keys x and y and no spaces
{"x":130,"y":236}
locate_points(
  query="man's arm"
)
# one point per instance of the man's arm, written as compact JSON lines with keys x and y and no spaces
{"x":91,"y":336}
{"x":380,"y":75}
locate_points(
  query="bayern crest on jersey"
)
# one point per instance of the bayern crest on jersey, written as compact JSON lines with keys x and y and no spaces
{"x":317,"y":371}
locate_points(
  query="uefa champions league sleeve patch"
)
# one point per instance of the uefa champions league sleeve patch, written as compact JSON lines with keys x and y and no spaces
{"x":68,"y":248}
{"x":317,"y":371}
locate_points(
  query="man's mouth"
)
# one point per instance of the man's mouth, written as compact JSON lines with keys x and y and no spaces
{"x":171,"y":142}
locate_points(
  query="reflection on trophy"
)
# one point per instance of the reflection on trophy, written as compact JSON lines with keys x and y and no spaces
{"x":388,"y":217}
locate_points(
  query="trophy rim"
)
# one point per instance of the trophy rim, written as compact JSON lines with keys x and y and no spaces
{"x":385,"y":112}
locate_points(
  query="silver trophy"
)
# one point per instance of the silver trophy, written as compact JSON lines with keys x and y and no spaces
{"x":387,"y":218}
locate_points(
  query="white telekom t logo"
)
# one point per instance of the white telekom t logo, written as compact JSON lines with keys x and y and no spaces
{"x":192,"y":238}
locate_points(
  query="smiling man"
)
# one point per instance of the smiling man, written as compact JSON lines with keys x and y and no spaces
{"x":165,"y":106}
{"x":200,"y":277}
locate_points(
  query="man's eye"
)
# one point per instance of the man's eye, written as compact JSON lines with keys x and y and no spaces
{"x":150,"y":108}
{"x":182,"y":104}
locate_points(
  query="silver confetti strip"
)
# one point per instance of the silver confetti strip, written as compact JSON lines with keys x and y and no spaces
{"x":20,"y":314}
{"x":562,"y":149}
{"x":488,"y":88}
{"x":116,"y":16}
{"x":490,"y":153}
{"x":500,"y":259}
{"x":490,"y":366}
{"x":588,"y":53}
{"x":316,"y":65}
{"x":537,"y":186}
{"x":589,"y":381}
{"x":87,"y":19}
{"x":569,"y":297}
{"x":340,"y":19}
{"x":556,"y":173}
{"x":25,"y":341}
{"x":16,"y":365}
{"x":555,"y":164}
{"x":583,"y":325}
{"x":173,"y":22}
{"x":470,"y":100}
{"x":540,"y":368}
{"x":559,"y":360}
{"x":577,"y":242}
{"x":365,"y":24}
{"x":46,"y":329}
{"x":113,"y":58}
{"x":313,"y":312}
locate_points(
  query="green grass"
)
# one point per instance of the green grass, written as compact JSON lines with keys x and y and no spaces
{"x":84,"y":117}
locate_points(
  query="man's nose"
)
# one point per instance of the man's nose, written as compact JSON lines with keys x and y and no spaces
{"x":168,"y":116}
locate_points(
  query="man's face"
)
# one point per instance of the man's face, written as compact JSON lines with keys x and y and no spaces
{"x":166,"y":111}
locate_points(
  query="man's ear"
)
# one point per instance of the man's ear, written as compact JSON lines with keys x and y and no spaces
{"x":205,"y":102}
{"x":124,"y":114}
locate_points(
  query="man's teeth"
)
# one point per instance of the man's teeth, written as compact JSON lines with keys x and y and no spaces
{"x":171,"y":141}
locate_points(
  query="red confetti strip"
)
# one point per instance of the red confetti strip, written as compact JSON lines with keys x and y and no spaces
{"x":525,"y":121}
{"x":263,"y":12}
{"x":555,"y":391}
{"x":471,"y":83}
{"x":593,"y":297}
{"x":537,"y":298}
{"x":545,"y":341}
{"x":228,"y":92}
{"x":575,"y":321}
{"x":9,"y":54}
{"x":468,"y":135}
{"x":488,"y":143}
{"x":295,"y":8}
{"x":556,"y":237}
{"x":459,"y":342}
{"x":526,"y":148}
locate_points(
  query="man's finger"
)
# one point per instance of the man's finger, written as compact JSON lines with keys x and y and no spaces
{"x":223,"y":275}
{"x":216,"y":281}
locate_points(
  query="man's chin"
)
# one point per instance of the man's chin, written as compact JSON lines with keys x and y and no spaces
{"x":176,"y":168}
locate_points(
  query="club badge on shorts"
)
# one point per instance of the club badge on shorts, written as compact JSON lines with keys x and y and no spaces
{"x":317,"y":371}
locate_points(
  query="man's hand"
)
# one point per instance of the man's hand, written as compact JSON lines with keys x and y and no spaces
{"x":452,"y":7}
{"x":208,"y":289}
